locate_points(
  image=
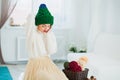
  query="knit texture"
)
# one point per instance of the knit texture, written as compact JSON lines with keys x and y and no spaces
{"x":43,"y":16}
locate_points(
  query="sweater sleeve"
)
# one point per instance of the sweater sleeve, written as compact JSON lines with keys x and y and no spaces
{"x":29,"y":24}
{"x":51,"y":45}
{"x":34,"y":42}
{"x":29,"y":30}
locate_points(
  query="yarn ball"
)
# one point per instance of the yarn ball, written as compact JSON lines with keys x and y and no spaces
{"x":84,"y":58}
{"x":73,"y":66}
{"x":66,"y":65}
{"x":82,"y":61}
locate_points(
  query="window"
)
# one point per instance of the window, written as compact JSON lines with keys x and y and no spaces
{"x":21,"y":11}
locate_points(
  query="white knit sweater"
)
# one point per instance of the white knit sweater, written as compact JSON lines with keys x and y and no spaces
{"x":38,"y":43}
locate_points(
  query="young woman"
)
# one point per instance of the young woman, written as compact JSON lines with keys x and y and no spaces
{"x":41,"y":43}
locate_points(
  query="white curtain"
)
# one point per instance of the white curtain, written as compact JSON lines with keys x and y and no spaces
{"x":7,"y":7}
{"x":104,"y":17}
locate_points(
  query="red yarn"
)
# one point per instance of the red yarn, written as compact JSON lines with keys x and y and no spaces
{"x":73,"y":66}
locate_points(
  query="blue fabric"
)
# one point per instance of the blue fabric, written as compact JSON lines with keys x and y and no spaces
{"x":42,"y":6}
{"x":4,"y":73}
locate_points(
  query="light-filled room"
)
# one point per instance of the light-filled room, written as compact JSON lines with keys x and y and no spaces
{"x":59,"y":39}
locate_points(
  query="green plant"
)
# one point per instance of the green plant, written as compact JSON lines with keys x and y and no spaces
{"x":82,"y":51}
{"x":73,"y":49}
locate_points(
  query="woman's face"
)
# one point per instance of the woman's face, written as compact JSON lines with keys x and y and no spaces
{"x":44,"y":27}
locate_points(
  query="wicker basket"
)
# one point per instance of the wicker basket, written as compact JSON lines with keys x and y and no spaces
{"x":82,"y":75}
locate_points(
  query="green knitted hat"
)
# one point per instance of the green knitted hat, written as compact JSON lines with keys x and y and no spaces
{"x":43,"y":16}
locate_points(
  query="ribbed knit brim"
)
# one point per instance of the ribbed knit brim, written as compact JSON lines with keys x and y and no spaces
{"x":44,"y":20}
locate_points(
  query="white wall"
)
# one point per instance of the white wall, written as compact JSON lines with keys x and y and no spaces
{"x":78,"y":15}
{"x":104,"y":17}
{"x":106,"y":14}
{"x":9,"y":42}
{"x":82,"y":22}
{"x":113,"y":17}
